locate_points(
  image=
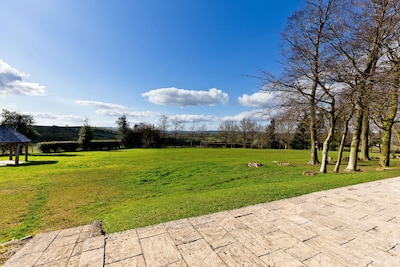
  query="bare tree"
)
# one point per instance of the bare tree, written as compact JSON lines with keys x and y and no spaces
{"x":303,"y":83}
{"x":163,"y":125}
{"x":247,"y":131}
{"x":192,"y":133}
{"x":177,"y":125}
{"x":285,"y":127}
{"x":233,"y":133}
{"x":224,"y":131}
{"x":345,"y":111}
{"x":359,"y":37}
{"x":202,"y":131}
{"x":385,"y":106}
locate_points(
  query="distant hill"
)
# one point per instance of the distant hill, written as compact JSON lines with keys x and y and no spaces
{"x":71,"y":133}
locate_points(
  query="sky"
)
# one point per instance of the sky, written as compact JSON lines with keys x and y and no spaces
{"x":65,"y":61}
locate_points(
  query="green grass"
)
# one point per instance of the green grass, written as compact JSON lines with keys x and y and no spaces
{"x":138,"y":187}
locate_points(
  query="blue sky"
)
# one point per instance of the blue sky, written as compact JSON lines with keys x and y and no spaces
{"x":66,"y":60}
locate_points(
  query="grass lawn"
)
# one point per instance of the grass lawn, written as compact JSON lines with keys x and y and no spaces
{"x":138,"y":187}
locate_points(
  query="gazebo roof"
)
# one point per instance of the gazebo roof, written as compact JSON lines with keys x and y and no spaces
{"x":8,"y":135}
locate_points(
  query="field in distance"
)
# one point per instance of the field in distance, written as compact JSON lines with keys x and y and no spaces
{"x":138,"y":187}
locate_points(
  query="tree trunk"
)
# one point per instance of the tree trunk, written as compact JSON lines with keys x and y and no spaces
{"x":26,"y":151}
{"x":17,"y":152}
{"x":364,"y":148}
{"x":387,"y":126}
{"x":385,"y":152}
{"x":352,"y":165}
{"x":313,"y":136}
{"x":327,"y":141}
{"x":341,"y":146}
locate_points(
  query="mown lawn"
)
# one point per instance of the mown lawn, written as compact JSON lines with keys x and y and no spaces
{"x":138,"y":187}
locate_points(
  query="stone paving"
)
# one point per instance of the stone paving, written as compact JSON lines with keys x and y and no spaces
{"x":351,"y":226}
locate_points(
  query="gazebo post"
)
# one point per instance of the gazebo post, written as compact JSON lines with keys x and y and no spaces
{"x":17,"y":149}
{"x":10,"y":146}
{"x":26,"y":151}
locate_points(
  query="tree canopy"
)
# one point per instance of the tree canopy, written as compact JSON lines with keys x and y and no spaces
{"x":22,"y":123}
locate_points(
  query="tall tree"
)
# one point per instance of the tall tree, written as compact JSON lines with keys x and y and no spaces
{"x":390,"y":83}
{"x":124,"y":130}
{"x":224,"y":131}
{"x":247,"y":129}
{"x":163,"y":125}
{"x":301,"y":137}
{"x":202,"y":132}
{"x":177,"y":125}
{"x":386,"y":94}
{"x":86,"y":135}
{"x":22,"y":123}
{"x":359,"y":44}
{"x":307,"y":54}
{"x":286,"y":123}
{"x":270,"y":135}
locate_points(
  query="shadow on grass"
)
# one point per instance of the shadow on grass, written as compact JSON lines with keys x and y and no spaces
{"x":55,"y":155}
{"x":34,"y":163}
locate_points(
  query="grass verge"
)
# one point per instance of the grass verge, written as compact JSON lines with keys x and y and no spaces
{"x":138,"y":187}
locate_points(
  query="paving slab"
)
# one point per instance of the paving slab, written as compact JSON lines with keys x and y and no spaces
{"x":357,"y":225}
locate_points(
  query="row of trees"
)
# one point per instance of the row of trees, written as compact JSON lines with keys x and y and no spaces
{"x":247,"y":133}
{"x":342,"y":63}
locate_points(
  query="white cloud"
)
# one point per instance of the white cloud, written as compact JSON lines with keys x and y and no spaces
{"x":43,"y":118}
{"x":100,"y":105}
{"x":256,"y":100}
{"x":194,"y":118}
{"x":12,"y":82}
{"x":256,"y":115}
{"x":183,"y":98}
{"x":109,"y":109}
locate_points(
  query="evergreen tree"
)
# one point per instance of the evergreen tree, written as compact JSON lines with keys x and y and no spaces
{"x":301,"y":138}
{"x":124,"y":132}
{"x":86,"y":135}
{"x":271,"y":138}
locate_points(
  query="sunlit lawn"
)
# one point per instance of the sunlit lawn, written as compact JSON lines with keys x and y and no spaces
{"x":132,"y":188}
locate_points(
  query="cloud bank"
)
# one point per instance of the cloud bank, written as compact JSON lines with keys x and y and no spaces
{"x":109,"y":109}
{"x":12,"y":82}
{"x":256,"y":100}
{"x":183,"y":98}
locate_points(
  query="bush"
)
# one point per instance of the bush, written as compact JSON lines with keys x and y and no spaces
{"x":58,"y":146}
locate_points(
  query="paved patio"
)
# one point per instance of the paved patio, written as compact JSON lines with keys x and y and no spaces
{"x":351,"y":226}
{"x":11,"y":162}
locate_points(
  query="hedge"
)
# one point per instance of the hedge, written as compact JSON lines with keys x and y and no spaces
{"x":72,"y":146}
{"x":58,"y":146}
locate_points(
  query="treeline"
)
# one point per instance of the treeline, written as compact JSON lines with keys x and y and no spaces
{"x":73,"y":146}
{"x":71,"y":133}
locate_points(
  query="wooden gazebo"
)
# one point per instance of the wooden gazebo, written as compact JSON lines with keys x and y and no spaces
{"x":14,"y":140}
